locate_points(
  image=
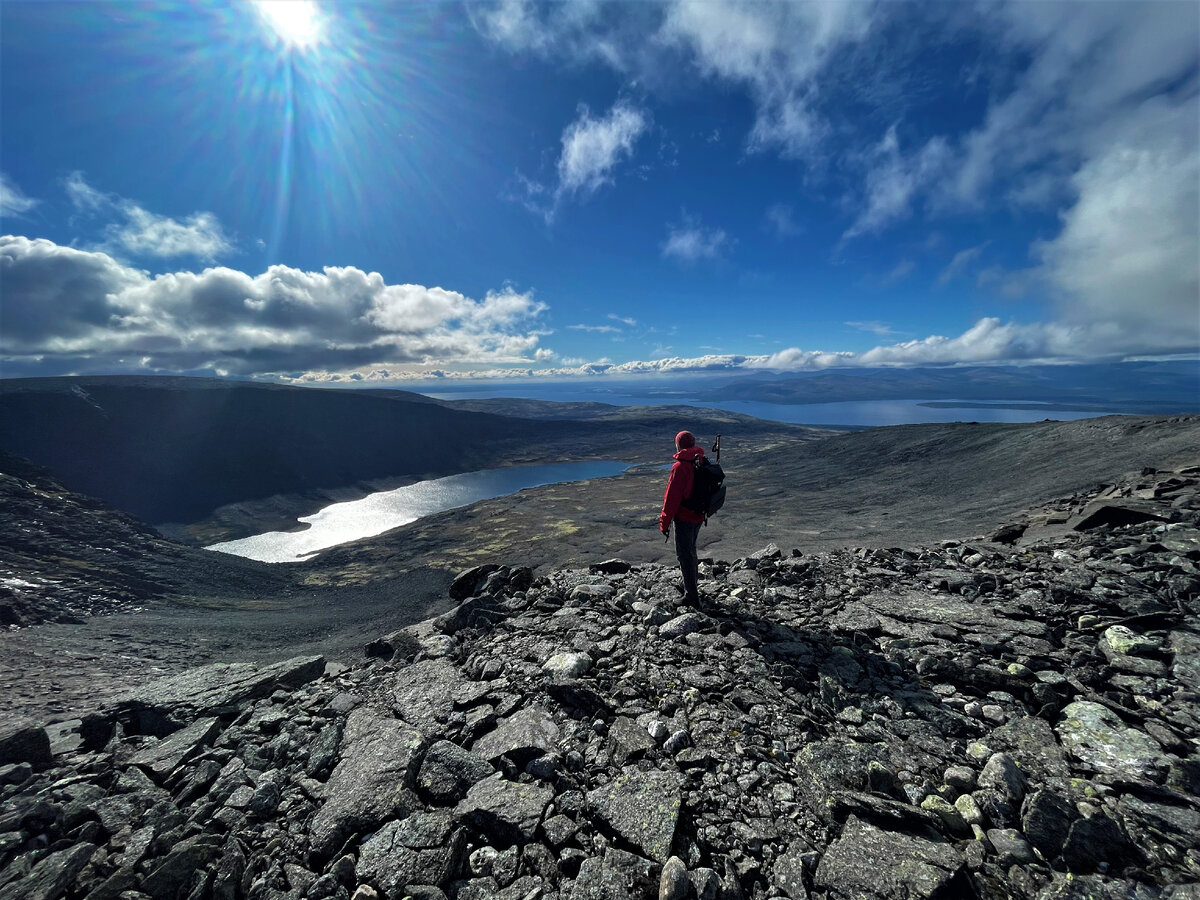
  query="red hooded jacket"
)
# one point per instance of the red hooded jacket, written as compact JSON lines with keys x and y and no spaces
{"x":679,"y":488}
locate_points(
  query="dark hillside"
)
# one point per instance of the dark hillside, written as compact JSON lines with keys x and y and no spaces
{"x":175,"y":449}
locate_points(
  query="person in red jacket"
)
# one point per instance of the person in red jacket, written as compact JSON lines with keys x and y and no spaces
{"x":687,"y":522}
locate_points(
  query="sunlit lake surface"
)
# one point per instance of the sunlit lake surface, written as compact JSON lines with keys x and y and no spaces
{"x":382,"y":511}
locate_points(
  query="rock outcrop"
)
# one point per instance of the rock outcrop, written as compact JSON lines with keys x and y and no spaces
{"x":1009,"y":718}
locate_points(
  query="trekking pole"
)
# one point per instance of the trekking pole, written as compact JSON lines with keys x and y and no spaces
{"x":717,"y":448}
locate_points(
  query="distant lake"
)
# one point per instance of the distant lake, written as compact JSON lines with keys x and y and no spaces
{"x":385,"y":510}
{"x":869,"y":413}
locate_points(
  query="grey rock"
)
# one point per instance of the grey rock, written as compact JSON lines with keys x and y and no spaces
{"x":170,"y":875}
{"x":505,"y":811}
{"x":212,"y":690}
{"x":900,"y":866}
{"x":948,"y":813}
{"x":323,"y":752}
{"x":1096,"y":736}
{"x":618,"y":875}
{"x":1002,"y":774}
{"x":707,"y":884}
{"x":51,"y":877}
{"x":464,"y":585}
{"x":423,"y":695}
{"x":682,"y":626}
{"x":567,"y":665}
{"x":642,"y":808}
{"x":476,"y":612}
{"x":448,"y":772}
{"x":161,"y":758}
{"x":521,"y":737}
{"x":1176,"y":823}
{"x":23,"y":742}
{"x":1097,"y":841}
{"x":371,"y":784}
{"x":1046,"y":820}
{"x":425,"y":848}
{"x":674,"y":883}
{"x":788,"y":871}
{"x":1011,"y":848}
{"x":1125,"y":641}
{"x":628,"y":741}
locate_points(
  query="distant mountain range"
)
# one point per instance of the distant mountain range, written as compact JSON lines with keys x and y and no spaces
{"x":1144,"y":387}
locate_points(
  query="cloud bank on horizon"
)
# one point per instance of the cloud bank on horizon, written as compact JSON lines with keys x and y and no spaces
{"x":1052,"y":214}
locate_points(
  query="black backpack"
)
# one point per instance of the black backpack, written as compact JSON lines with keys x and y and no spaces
{"x":708,"y":487}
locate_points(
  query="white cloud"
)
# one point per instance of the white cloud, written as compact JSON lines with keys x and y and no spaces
{"x":690,"y":241}
{"x":592,"y":148}
{"x":145,"y":234}
{"x":959,"y":264}
{"x":624,"y":320}
{"x":13,"y":202}
{"x":880,"y":328}
{"x":68,"y":304}
{"x":597,"y":329}
{"x":1128,"y":252}
{"x":777,"y":51}
{"x":893,"y":180}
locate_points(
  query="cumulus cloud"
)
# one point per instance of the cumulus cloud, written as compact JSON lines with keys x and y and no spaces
{"x":13,"y":202}
{"x":591,"y":148}
{"x":62,"y":302}
{"x":689,"y":242}
{"x":1128,"y":252}
{"x":145,"y":234}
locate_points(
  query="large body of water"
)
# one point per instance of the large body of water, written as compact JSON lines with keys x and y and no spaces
{"x":869,"y":413}
{"x":385,"y":510}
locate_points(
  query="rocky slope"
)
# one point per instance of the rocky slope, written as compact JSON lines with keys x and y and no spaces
{"x":1016,"y":716}
{"x":66,"y":556}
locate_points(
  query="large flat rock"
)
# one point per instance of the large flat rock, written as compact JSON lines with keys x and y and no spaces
{"x":214,"y":690}
{"x":869,"y":862}
{"x":372,"y":781}
{"x":642,"y":808}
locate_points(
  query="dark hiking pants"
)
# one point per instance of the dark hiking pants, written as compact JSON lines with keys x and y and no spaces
{"x":685,"y":551}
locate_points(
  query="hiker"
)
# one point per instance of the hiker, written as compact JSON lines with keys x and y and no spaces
{"x":687,"y":521}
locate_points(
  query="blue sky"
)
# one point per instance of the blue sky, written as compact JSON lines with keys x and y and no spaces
{"x":331,"y":192}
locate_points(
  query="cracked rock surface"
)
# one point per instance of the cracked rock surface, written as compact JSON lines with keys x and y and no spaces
{"x":1007,"y":718}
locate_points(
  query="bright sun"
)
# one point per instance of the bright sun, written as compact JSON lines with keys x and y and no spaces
{"x":296,"y":22}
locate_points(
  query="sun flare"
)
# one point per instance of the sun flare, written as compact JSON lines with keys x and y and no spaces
{"x":295,"y":22}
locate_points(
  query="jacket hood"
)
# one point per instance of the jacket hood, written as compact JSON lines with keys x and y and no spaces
{"x":688,"y":454}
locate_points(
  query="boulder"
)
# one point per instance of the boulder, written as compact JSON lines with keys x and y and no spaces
{"x":161,"y":758}
{"x":371,"y":783}
{"x":521,"y":737}
{"x":24,"y":742}
{"x":642,"y":809}
{"x":448,"y":772}
{"x":1096,"y":736}
{"x":425,"y":848}
{"x":505,"y":811}
{"x":900,"y":866}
